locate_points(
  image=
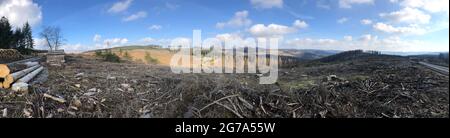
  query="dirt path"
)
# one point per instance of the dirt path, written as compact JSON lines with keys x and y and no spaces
{"x":439,"y":69}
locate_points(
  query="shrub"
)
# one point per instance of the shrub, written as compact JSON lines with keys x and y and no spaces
{"x":150,"y":59}
{"x":99,"y":54}
{"x":127,"y":56}
{"x":111,"y":57}
{"x":107,"y":56}
{"x":120,"y":52}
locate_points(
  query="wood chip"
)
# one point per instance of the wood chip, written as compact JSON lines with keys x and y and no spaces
{"x":5,"y":113}
{"x":61,"y":100}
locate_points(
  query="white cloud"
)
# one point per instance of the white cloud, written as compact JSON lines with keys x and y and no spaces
{"x":120,"y":6}
{"x":308,"y":43}
{"x":147,"y":40}
{"x":300,"y":24}
{"x":155,"y":27}
{"x":349,"y":3}
{"x":407,"y":15}
{"x":410,"y":30}
{"x":154,"y":41}
{"x":348,"y":38}
{"x":171,"y":6}
{"x":240,"y":19}
{"x":272,"y":30}
{"x":108,"y":43}
{"x":367,"y":38}
{"x":19,"y":12}
{"x":176,"y":42}
{"x":342,"y":20}
{"x":40,"y":43}
{"x":228,"y":37}
{"x":321,"y":4}
{"x":434,"y":6}
{"x":97,"y":38}
{"x":366,"y":42}
{"x":275,"y":30}
{"x":267,"y":4}
{"x":138,"y":15}
{"x":74,"y":48}
{"x":366,"y":22}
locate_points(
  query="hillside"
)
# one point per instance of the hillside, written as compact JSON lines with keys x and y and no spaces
{"x":138,"y":53}
{"x":354,"y":55}
{"x":163,"y":55}
{"x":307,"y":54}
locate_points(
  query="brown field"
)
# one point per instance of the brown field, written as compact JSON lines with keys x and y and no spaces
{"x":138,"y":55}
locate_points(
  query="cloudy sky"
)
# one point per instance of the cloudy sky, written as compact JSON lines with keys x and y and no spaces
{"x":386,"y":25}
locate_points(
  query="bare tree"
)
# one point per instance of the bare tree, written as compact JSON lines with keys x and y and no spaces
{"x":53,"y":37}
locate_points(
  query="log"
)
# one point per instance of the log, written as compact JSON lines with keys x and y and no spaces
{"x":25,"y":60}
{"x":17,"y":75}
{"x":31,"y":75}
{"x":10,"y":54}
{"x":4,"y":70}
{"x":21,"y":84}
{"x":31,"y":64}
{"x":61,"y":100}
{"x":20,"y":87}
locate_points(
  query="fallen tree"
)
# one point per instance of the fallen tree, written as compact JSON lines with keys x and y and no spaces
{"x":11,"y":78}
{"x":21,"y":84}
{"x":35,"y":59}
{"x":30,"y":76}
{"x":4,"y":70}
{"x":30,"y":64}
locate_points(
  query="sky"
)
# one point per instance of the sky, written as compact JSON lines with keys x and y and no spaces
{"x":383,"y":25}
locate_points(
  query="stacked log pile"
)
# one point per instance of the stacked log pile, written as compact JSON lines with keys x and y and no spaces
{"x":18,"y":80}
{"x":10,"y":54}
{"x":56,"y":58}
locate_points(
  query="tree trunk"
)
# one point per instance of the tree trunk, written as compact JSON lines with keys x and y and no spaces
{"x":31,"y":64}
{"x":17,"y":75}
{"x":4,"y":71}
{"x":30,"y":76}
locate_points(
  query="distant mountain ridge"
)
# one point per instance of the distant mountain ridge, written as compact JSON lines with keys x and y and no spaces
{"x":301,"y":54}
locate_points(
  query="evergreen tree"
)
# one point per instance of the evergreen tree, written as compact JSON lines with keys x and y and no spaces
{"x":18,"y":41}
{"x":5,"y":33}
{"x":28,"y":36}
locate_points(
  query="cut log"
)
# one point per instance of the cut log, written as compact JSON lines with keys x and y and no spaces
{"x":28,"y":77}
{"x":4,"y":70}
{"x":1,"y":85}
{"x":25,"y":60}
{"x":20,"y":87}
{"x":31,"y":64}
{"x":11,"y":78}
{"x":21,"y":84}
{"x":10,"y":54}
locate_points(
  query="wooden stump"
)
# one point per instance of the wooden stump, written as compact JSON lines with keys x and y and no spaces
{"x":17,"y":75}
{"x":4,"y":70}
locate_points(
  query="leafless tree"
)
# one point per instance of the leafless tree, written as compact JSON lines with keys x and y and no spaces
{"x":53,"y":37}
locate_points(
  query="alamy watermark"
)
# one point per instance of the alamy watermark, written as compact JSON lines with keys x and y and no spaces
{"x":255,"y":56}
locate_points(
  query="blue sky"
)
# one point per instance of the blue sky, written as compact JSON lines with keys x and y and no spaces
{"x":386,"y":25}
